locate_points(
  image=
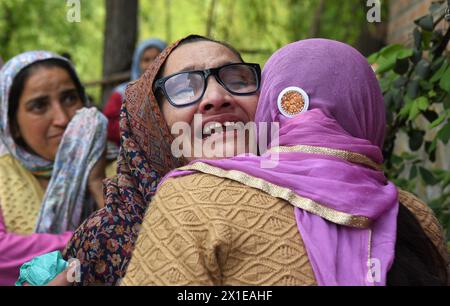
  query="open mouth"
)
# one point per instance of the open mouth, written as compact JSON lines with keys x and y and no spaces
{"x":216,"y":128}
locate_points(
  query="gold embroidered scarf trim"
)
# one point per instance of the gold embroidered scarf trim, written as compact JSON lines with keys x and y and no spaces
{"x":306,"y":204}
{"x":346,"y":155}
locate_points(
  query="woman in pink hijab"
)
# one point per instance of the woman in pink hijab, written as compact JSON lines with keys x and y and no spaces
{"x":322,"y":214}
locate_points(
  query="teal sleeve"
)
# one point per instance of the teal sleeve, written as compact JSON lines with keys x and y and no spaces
{"x":42,"y":269}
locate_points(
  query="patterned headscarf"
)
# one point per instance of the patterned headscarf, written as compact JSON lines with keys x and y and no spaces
{"x":31,"y":162}
{"x":145,"y":152}
{"x":65,"y":203}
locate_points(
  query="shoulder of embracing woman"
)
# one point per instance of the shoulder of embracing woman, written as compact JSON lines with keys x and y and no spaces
{"x":206,"y":228}
{"x":427,"y":220}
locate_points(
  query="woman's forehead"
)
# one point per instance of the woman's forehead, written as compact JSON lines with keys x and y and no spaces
{"x":199,"y":55}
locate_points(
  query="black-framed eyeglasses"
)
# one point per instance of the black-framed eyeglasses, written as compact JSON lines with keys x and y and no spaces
{"x":188,"y":87}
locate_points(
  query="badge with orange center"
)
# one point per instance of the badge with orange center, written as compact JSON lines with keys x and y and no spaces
{"x":293,"y":101}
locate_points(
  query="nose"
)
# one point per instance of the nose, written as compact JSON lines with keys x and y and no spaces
{"x":60,"y":115}
{"x":215,"y":99}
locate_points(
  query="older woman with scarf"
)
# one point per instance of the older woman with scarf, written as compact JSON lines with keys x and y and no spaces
{"x":322,"y":214}
{"x":51,"y":173}
{"x":103,"y":244}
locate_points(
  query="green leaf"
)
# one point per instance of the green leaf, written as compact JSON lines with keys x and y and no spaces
{"x":438,"y":75}
{"x":401,"y":66}
{"x":446,"y":102}
{"x":446,"y":180}
{"x":444,"y":133}
{"x":422,"y":69}
{"x":387,"y":57}
{"x":430,"y":115}
{"x":396,"y":159}
{"x":399,"y":101}
{"x":444,"y":83}
{"x":385,"y":83}
{"x":430,"y":148}
{"x":426,"y":40}
{"x":413,"y":173}
{"x":386,"y":64}
{"x":438,"y":121}
{"x":392,"y":50}
{"x":400,"y":81}
{"x":426,"y":86}
{"x":406,"y":109}
{"x":415,"y":139}
{"x":422,"y":103}
{"x":438,"y":62}
{"x":425,"y":23}
{"x":405,"y":53}
{"x":417,"y":55}
{"x":427,"y":176}
{"x":417,"y":38}
{"x":388,"y":97}
{"x":408,"y":156}
{"x":413,"y":89}
{"x":372,"y":59}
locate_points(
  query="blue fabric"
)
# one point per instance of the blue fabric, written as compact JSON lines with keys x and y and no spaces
{"x":149,"y":43}
{"x":42,"y":269}
{"x":135,"y":66}
{"x":9,"y":71}
{"x":65,"y":204}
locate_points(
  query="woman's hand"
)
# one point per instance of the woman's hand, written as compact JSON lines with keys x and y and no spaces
{"x":95,"y":181}
{"x":60,"y":279}
{"x":63,"y":278}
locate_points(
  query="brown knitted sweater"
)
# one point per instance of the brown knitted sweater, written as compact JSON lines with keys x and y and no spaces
{"x":205,"y":230}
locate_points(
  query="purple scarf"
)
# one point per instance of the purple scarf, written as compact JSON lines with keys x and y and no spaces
{"x":329,"y":161}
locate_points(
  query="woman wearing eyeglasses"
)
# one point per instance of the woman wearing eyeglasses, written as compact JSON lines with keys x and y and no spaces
{"x":323,"y":214}
{"x":194,"y":76}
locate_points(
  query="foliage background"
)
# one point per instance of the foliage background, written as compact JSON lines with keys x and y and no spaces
{"x":257,"y":27}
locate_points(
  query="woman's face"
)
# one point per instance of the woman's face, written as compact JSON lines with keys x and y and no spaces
{"x":47,"y":103}
{"x":147,"y":58}
{"x":216,"y":105}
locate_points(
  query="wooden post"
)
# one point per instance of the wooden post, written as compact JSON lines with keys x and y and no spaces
{"x":121,"y":31}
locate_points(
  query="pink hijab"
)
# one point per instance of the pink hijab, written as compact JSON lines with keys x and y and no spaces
{"x":329,"y":161}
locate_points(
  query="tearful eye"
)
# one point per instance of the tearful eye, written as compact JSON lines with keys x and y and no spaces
{"x":37,"y":106}
{"x":237,"y":84}
{"x":70,"y":99}
{"x":184,"y":93}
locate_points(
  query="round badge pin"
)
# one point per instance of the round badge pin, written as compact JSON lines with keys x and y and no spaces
{"x":293,"y":101}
